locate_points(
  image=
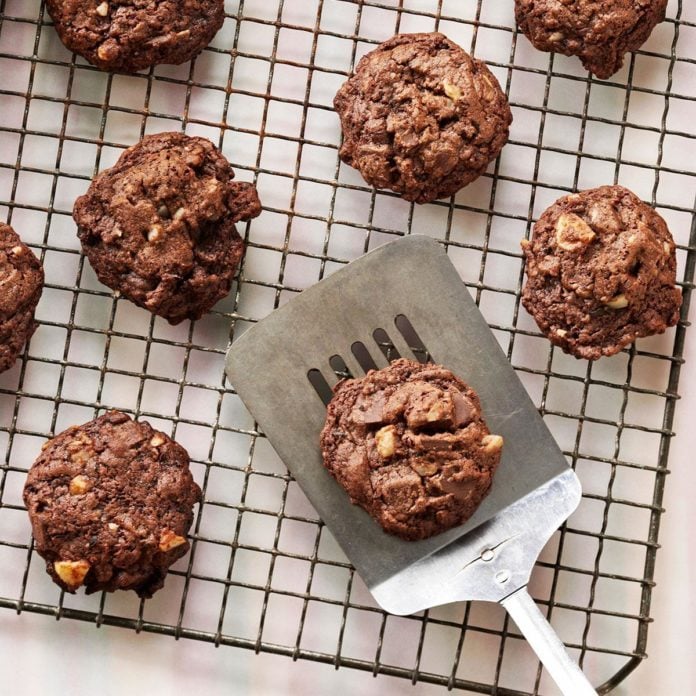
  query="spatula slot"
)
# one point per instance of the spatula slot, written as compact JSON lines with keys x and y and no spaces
{"x":321,"y":386}
{"x":338,"y":365}
{"x":411,"y":337}
{"x":385,"y":344}
{"x":362,"y":355}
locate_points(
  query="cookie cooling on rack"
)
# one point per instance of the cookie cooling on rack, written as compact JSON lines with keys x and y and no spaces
{"x":421,"y":117}
{"x":597,"y":31}
{"x":131,"y":35}
{"x":601,"y":272}
{"x":110,"y":504}
{"x":409,"y":444}
{"x":159,"y":226}
{"x":21,"y":284}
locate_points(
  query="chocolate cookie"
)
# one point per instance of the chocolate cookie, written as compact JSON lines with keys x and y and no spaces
{"x":421,"y":117}
{"x":159,"y":225}
{"x":409,"y":445}
{"x":21,"y":283}
{"x":598,"y":31}
{"x":110,"y":504}
{"x":601,"y":272}
{"x":130,"y":35}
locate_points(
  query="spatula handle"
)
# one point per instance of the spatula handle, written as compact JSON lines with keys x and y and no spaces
{"x":547,"y":645}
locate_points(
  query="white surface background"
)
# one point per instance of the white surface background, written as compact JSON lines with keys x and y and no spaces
{"x":39,"y":655}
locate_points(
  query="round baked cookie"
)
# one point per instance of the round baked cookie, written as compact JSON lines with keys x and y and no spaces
{"x":601,"y":272}
{"x":130,"y":35}
{"x":421,"y":117}
{"x":110,"y":503}
{"x":21,"y":283}
{"x":409,"y":445}
{"x":599,"y":32}
{"x":159,"y":225}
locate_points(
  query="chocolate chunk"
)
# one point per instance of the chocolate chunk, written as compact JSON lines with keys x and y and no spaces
{"x":428,"y":406}
{"x":463,"y":410}
{"x":370,"y":411}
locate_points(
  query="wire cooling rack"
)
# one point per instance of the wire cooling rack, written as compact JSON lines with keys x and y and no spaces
{"x":264,"y":573}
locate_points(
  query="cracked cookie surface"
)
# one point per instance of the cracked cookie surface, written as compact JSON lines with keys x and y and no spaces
{"x":421,"y":117}
{"x":131,"y":35}
{"x":21,"y":284}
{"x":599,"y":32}
{"x":601,"y":272}
{"x":408,"y":443}
{"x":110,"y":504}
{"x":159,"y":226}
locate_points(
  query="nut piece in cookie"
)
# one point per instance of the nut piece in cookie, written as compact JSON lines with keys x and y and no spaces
{"x":169,"y":541}
{"x":601,"y":272}
{"x":21,"y":283}
{"x":71,"y":573}
{"x":421,"y":117}
{"x":116,"y":516}
{"x":131,"y":35}
{"x":409,"y":445}
{"x":599,"y":32}
{"x":159,"y":226}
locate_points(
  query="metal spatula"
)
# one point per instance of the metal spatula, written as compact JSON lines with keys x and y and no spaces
{"x":405,"y":293}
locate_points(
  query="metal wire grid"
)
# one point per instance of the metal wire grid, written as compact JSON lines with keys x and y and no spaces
{"x":257,"y":544}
